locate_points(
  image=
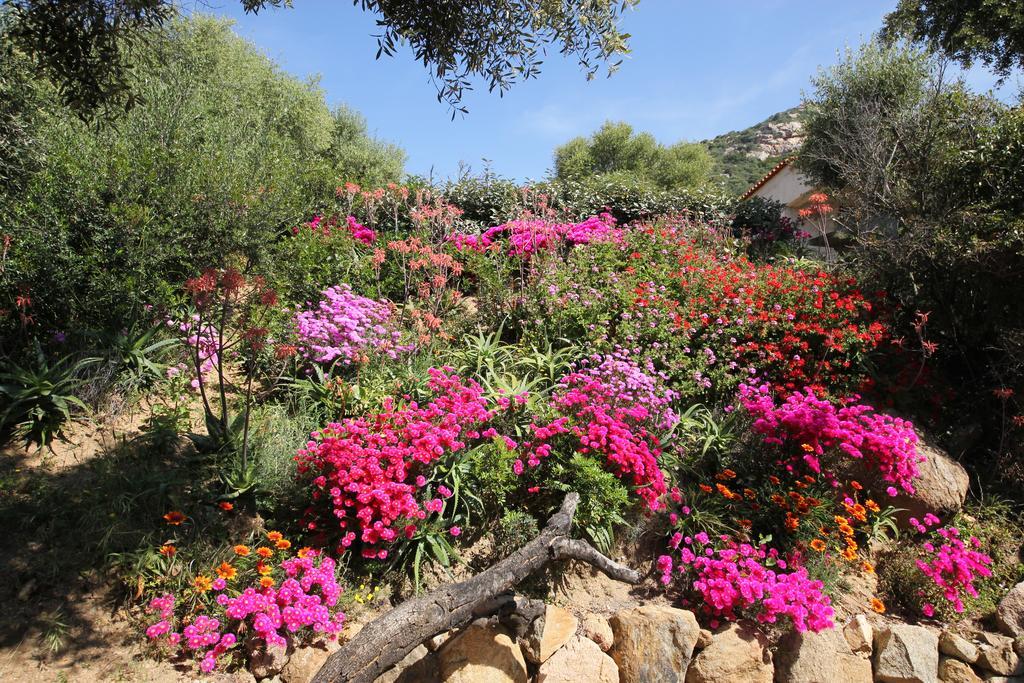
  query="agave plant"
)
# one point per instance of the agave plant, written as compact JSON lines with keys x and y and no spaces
{"x":38,"y":399}
{"x":134,"y":352}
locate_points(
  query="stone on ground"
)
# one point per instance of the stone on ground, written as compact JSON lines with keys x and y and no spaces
{"x":653,"y":643}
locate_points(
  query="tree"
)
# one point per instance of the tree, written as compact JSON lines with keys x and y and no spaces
{"x":616,"y":149}
{"x":85,"y":46}
{"x":989,"y":31}
{"x":883,"y":128}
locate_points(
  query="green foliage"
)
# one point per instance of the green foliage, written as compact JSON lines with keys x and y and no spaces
{"x":226,"y":153}
{"x":39,"y":397}
{"x":515,"y":529}
{"x":969,"y":31}
{"x":616,"y":150}
{"x":604,"y":499}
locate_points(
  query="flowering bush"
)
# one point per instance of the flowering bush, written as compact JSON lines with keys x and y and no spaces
{"x":711,"y":317}
{"x":347,"y":327}
{"x":529,"y":236}
{"x":367,"y":472}
{"x":738,"y":579}
{"x":952,"y":565}
{"x":264,"y":593}
{"x":611,"y":407}
{"x":888,"y":444}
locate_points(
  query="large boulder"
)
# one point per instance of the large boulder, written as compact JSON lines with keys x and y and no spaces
{"x":996,"y":654}
{"x":824,"y":657}
{"x":859,"y":634}
{"x":940,"y":487}
{"x":906,"y":654}
{"x":266,"y":660}
{"x":580,"y":659}
{"x":653,"y":643}
{"x":1010,"y":614}
{"x":739,"y":653}
{"x":549,"y":632}
{"x":954,"y":671}
{"x":482,"y":654}
{"x":954,"y":645}
{"x":305,"y":661}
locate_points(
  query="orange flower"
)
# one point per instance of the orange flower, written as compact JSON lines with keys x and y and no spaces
{"x":306,"y":552}
{"x":878,"y":605}
{"x":750,"y":494}
{"x":274,"y":536}
{"x":872,"y":505}
{"x":284,"y":544}
{"x":846,"y":529}
{"x":264,"y":552}
{"x":867,"y":567}
{"x":818,"y":544}
{"x":725,"y":475}
{"x":226,"y":571}
{"x":202,"y":583}
{"x":774,"y":480}
{"x":705,"y":488}
{"x":263,"y":569}
{"x":266,"y":582}
{"x":226,"y":506}
{"x":850,"y":554}
{"x":175,"y":518}
{"x":778,"y":500}
{"x":808,"y":448}
{"x":840,"y":520}
{"x":745,"y":523}
{"x":856,"y":485}
{"x":168,"y":550}
{"x":792,"y":523}
{"x":242,"y":550}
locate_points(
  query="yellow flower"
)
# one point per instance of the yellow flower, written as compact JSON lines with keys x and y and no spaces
{"x":226,"y":571}
{"x":263,"y":569}
{"x":202,"y":583}
{"x":242,"y":550}
{"x":266,"y":582}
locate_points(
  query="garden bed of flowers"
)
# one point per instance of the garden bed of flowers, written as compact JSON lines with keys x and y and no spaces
{"x":409,"y":382}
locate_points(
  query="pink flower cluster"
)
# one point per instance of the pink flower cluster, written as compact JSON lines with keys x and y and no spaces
{"x":307,"y":598}
{"x":528,"y":236}
{"x":735,"y":580}
{"x":611,"y":406}
{"x":888,"y":443}
{"x":952,"y":565}
{"x":347,"y":327}
{"x":325,"y":228}
{"x":364,"y":468}
{"x":202,"y":339}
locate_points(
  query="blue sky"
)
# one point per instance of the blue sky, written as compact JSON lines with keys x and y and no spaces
{"x":697,"y":69}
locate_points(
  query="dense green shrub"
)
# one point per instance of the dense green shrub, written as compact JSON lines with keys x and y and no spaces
{"x":225,"y":153}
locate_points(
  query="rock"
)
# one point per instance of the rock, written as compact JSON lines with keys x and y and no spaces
{"x":906,"y":654}
{"x":597,"y":629}
{"x":266,"y":660}
{"x":548,"y":633}
{"x":739,"y":653}
{"x":858,"y":634}
{"x":1010,"y":613}
{"x":305,"y":661}
{"x":434,"y":643}
{"x":997,"y":656}
{"x":704,"y":639}
{"x":482,"y":654}
{"x":954,"y":671}
{"x":823,"y":657}
{"x":581,"y":659}
{"x":940,"y":487}
{"x":418,"y":665}
{"x":958,"y":647}
{"x":653,"y":643}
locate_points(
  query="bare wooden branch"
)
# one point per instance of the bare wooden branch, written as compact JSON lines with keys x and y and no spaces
{"x":386,"y":640}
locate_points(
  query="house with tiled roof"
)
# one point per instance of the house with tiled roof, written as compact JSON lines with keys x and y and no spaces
{"x":791,"y":188}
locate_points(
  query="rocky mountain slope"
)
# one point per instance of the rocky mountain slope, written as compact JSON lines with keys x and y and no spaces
{"x":744,"y":156}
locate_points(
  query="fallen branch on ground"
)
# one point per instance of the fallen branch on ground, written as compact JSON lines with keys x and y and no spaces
{"x":385,"y":641}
